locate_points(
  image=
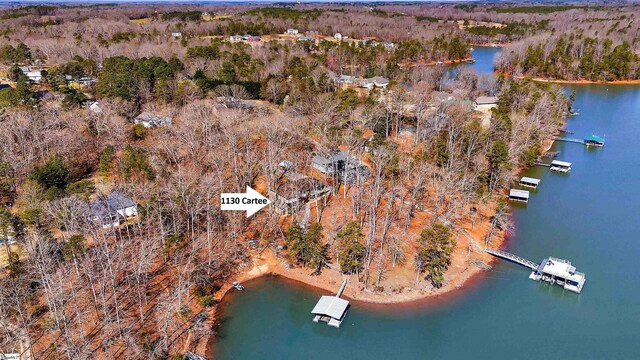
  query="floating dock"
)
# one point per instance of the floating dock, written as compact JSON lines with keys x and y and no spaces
{"x":552,"y":270}
{"x":331,"y":309}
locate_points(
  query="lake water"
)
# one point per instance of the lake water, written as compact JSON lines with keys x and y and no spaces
{"x":589,"y":217}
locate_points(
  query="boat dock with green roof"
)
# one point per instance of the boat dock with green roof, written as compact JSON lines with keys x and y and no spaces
{"x":591,"y":140}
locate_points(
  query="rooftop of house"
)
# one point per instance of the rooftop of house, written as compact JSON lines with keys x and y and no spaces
{"x":153,"y":118}
{"x":379,"y":80}
{"x":333,"y":158}
{"x":110,"y":204}
{"x":300,"y":187}
{"x":486,"y":100}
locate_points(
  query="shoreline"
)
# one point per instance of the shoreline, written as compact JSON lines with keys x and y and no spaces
{"x":418,"y":299}
{"x":464,"y":271}
{"x":577,"y":82}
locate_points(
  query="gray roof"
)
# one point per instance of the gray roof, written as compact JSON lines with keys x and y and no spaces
{"x":379,"y":80}
{"x":486,"y":100}
{"x":561,"y":163}
{"x":519,"y":193}
{"x":332,"y":306}
{"x":153,"y":119}
{"x":110,"y":205}
{"x":325,"y":160}
{"x":530,"y":180}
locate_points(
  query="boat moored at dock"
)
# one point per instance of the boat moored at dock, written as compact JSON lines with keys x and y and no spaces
{"x":561,"y":272}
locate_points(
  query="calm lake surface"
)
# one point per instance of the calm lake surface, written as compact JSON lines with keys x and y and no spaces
{"x":589,"y":217}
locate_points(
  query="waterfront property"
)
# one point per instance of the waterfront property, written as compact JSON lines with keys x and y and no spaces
{"x":560,"y":166}
{"x":593,"y":140}
{"x":529,"y":182}
{"x":519,"y":195}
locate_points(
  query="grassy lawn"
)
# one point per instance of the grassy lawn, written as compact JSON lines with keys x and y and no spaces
{"x":141,"y":21}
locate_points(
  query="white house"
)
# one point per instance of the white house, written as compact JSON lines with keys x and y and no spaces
{"x":235,"y":38}
{"x":337,"y":36}
{"x":148,"y":120}
{"x":292,"y":31}
{"x":388,"y":45}
{"x":176,"y":35}
{"x":34,"y":76}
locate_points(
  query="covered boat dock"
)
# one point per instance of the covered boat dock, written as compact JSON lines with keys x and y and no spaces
{"x":330,"y":309}
{"x":561,"y":272}
{"x":560,"y":166}
{"x":594,"y":140}
{"x":529,"y":182}
{"x":519,"y":195}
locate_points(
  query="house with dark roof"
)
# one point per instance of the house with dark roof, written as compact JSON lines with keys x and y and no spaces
{"x":330,"y":164}
{"x":112,"y":210}
{"x":346,"y":168}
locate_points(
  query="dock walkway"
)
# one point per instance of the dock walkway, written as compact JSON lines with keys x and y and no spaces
{"x":344,"y":285}
{"x":513,"y":258}
{"x":568,"y":139}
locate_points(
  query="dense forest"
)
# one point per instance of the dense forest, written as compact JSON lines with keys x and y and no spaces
{"x":572,"y":58}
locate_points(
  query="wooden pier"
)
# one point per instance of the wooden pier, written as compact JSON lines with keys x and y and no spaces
{"x":513,"y":258}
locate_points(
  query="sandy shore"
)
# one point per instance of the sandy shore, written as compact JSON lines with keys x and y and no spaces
{"x":399,"y":285}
